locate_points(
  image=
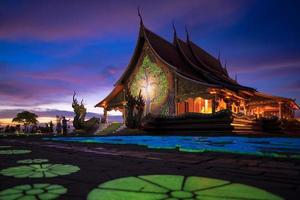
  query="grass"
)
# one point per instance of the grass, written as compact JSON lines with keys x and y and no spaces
{"x":110,"y":129}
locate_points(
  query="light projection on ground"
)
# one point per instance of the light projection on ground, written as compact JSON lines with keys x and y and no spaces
{"x":39,"y":170}
{"x":42,"y":191}
{"x":32,"y":161}
{"x":14,"y":151}
{"x":174,"y":187}
{"x":286,"y":147}
{"x":153,"y":83}
{"x":4,"y":147}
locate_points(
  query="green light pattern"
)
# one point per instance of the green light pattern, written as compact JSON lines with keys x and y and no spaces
{"x":14,"y":151}
{"x":4,"y":147}
{"x":39,"y":170}
{"x":42,"y":191}
{"x":174,"y":187}
{"x":31,"y":161}
{"x":152,"y":81}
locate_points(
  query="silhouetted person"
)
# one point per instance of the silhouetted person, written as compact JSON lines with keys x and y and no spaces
{"x":64,"y":125}
{"x":51,"y":127}
{"x":58,"y":125}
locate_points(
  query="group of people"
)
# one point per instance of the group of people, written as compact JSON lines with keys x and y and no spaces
{"x":61,"y":125}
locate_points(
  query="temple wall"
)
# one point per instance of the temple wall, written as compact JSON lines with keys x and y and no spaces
{"x":189,"y":89}
{"x":159,"y":96}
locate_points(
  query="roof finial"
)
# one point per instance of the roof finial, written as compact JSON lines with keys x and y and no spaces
{"x":174,"y":29}
{"x":187,"y":34}
{"x":219,"y":55}
{"x":225,"y":67}
{"x":139,"y":14}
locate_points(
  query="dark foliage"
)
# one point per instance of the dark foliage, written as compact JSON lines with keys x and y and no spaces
{"x":134,"y":109}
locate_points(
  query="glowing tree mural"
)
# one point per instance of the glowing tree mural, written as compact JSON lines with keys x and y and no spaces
{"x":153,"y":83}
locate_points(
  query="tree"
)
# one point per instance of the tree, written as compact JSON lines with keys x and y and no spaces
{"x":152,"y":82}
{"x":26,"y":117}
{"x":134,"y":109}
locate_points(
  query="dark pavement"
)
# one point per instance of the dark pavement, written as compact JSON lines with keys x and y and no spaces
{"x":99,"y":163}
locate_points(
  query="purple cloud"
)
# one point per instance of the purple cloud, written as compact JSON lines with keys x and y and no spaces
{"x":63,"y":19}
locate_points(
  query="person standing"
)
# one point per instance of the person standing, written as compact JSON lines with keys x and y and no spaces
{"x":58,"y":125}
{"x":64,"y":125}
{"x":51,"y":127}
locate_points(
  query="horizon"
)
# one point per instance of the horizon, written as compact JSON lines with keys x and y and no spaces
{"x":51,"y":49}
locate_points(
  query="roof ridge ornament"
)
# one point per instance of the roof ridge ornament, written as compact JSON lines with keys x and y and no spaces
{"x":174,"y":29}
{"x":225,"y":67}
{"x":187,"y":33}
{"x":174,"y":33}
{"x":139,"y":14}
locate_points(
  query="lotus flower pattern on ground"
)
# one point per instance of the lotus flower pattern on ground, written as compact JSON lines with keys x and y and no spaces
{"x":31,"y":161}
{"x":4,"y":147}
{"x":42,"y":191}
{"x":14,"y":151}
{"x":174,"y":187}
{"x":39,"y":170}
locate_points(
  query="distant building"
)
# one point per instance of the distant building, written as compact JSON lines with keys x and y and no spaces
{"x":180,"y":77}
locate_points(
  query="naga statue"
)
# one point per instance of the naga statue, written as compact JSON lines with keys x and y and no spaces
{"x":79,"y":124}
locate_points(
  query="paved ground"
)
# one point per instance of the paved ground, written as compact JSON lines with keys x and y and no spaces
{"x":100,"y":163}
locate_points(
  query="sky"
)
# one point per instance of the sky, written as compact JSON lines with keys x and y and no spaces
{"x":51,"y":48}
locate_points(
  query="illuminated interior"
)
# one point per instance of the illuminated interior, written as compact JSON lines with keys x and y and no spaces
{"x":155,"y":187}
{"x":198,"y":105}
{"x":221,"y":105}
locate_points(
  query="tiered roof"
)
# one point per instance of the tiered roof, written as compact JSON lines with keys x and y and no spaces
{"x":186,"y":59}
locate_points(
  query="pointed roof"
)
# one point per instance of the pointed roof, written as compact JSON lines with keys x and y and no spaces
{"x":185,"y":58}
{"x":167,"y":52}
{"x":212,"y":74}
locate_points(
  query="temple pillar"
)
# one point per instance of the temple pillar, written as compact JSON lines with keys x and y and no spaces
{"x":280,"y":110}
{"x":105,"y":115}
{"x":228,"y":104}
{"x":175,"y":96}
{"x":213,"y":105}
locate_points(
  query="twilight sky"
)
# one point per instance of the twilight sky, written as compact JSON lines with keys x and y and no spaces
{"x":50,"y":48}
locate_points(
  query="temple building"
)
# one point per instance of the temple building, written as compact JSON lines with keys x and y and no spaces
{"x":180,"y":77}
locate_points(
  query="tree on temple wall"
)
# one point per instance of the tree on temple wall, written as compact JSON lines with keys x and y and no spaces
{"x":152,"y":81}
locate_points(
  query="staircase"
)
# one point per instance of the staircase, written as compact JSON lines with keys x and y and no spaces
{"x":244,"y":125}
{"x":221,"y":122}
{"x":190,"y":123}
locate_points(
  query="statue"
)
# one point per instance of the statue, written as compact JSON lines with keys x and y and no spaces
{"x":79,"y":124}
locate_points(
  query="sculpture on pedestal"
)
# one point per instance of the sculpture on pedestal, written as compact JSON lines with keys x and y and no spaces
{"x":79,"y":124}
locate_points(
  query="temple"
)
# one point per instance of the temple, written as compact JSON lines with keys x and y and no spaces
{"x":180,"y":77}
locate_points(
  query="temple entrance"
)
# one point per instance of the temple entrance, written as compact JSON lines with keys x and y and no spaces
{"x":198,"y":105}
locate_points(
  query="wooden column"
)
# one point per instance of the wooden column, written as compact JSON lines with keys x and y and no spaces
{"x":213,"y":105}
{"x":175,"y":95}
{"x":280,"y":110}
{"x":105,"y":115}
